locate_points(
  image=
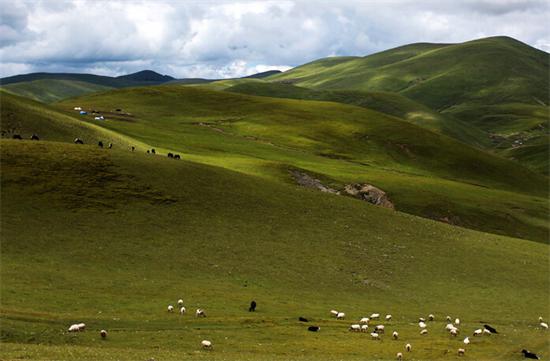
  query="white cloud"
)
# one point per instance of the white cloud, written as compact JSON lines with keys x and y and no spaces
{"x":226,"y":39}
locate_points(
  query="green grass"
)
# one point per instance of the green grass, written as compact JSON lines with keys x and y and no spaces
{"x":110,"y":238}
{"x":52,"y":90}
{"x":494,"y":84}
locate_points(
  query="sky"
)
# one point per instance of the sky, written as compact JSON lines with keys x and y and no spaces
{"x":223,"y":39}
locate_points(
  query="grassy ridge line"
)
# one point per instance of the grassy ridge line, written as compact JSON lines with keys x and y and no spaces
{"x":52,"y":90}
{"x":384,"y":102}
{"x":26,"y":117}
{"x":219,"y":238}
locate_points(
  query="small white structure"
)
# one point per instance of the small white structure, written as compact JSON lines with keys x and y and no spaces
{"x":78,"y":108}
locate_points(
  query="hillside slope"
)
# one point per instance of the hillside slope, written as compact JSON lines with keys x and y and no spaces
{"x":110,"y":238}
{"x":52,"y":90}
{"x":497,"y":84}
{"x":423,"y":172}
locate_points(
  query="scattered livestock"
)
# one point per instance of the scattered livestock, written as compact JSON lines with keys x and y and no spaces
{"x":334,"y":313}
{"x":78,"y":141}
{"x":340,"y":316}
{"x":101,"y":117}
{"x":180,"y":302}
{"x":364,"y":328}
{"x":380,"y":328}
{"x":466,"y":341}
{"x":77,"y":108}
{"x":421,"y":324}
{"x":314,"y":328}
{"x":153,"y":151}
{"x":457,"y":321}
{"x":17,"y":136}
{"x":206,"y":344}
{"x":544,"y":325}
{"x":399,"y":356}
{"x":303,"y":319}
{"x":395,"y":335}
{"x":461,"y":352}
{"x":454,"y":332}
{"x":103,"y":334}
{"x":375,"y":336}
{"x":490,"y":329}
{"x":355,"y":328}
{"x":34,"y":137}
{"x":200,"y":313}
{"x":365,"y":320}
{"x":541,"y":319}
{"x":478,"y":332}
{"x":182,"y":310}
{"x":77,"y":327}
{"x":424,"y":332}
{"x":421,"y":319}
{"x":448,"y":318}
{"x":486,"y":332}
{"x":170,"y":308}
{"x":529,"y":355}
{"x":170,"y":155}
{"x":110,"y":145}
{"x":252,"y":307}
{"x":375,"y":316}
{"x":388,"y":317}
{"x":431,"y":317}
{"x":100,"y":144}
{"x":133,"y":148}
{"x":408,"y":347}
{"x":177,"y":156}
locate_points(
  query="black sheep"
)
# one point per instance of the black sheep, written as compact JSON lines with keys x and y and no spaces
{"x":170,"y":155}
{"x":314,"y":328}
{"x":133,"y":148}
{"x":177,"y":156}
{"x":16,"y":136}
{"x":78,"y":141}
{"x":252,"y":307}
{"x":303,"y":319}
{"x":153,"y":151}
{"x":110,"y":145}
{"x":100,"y":144}
{"x":490,"y":329}
{"x":530,"y":355}
{"x":34,"y":137}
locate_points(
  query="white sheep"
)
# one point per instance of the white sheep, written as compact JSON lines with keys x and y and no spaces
{"x":364,"y":328}
{"x":200,"y":313}
{"x":431,"y":317}
{"x":364,"y":320}
{"x":408,"y":347}
{"x":395,"y":335}
{"x":486,"y":332}
{"x":421,"y":324}
{"x":424,"y":332}
{"x":457,"y":321}
{"x":355,"y":328}
{"x":388,"y":317}
{"x":448,"y":318}
{"x":375,"y":316}
{"x":478,"y":332}
{"x":449,"y":326}
{"x":180,"y":302}
{"x":421,"y":319}
{"x":379,"y":328}
{"x":399,"y":356}
{"x":541,"y":319}
{"x":81,"y":326}
{"x":103,"y":333}
{"x":454,"y":332}
{"x":544,"y":325}
{"x":182,"y":310}
{"x":334,"y":313}
{"x":74,"y":328}
{"x":206,"y":344}
{"x":461,"y":352}
{"x":170,"y":308}
{"x":466,"y":340}
{"x":340,"y":316}
{"x":375,"y":336}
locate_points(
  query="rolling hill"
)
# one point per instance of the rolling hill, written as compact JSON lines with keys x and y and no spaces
{"x":111,"y":237}
{"x":498,"y":84}
{"x":424,"y":173}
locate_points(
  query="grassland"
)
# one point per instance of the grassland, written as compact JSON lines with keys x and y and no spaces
{"x":110,"y":237}
{"x":52,"y":90}
{"x":424,"y":173}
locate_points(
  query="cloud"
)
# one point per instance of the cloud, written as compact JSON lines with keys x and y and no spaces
{"x":226,"y":39}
